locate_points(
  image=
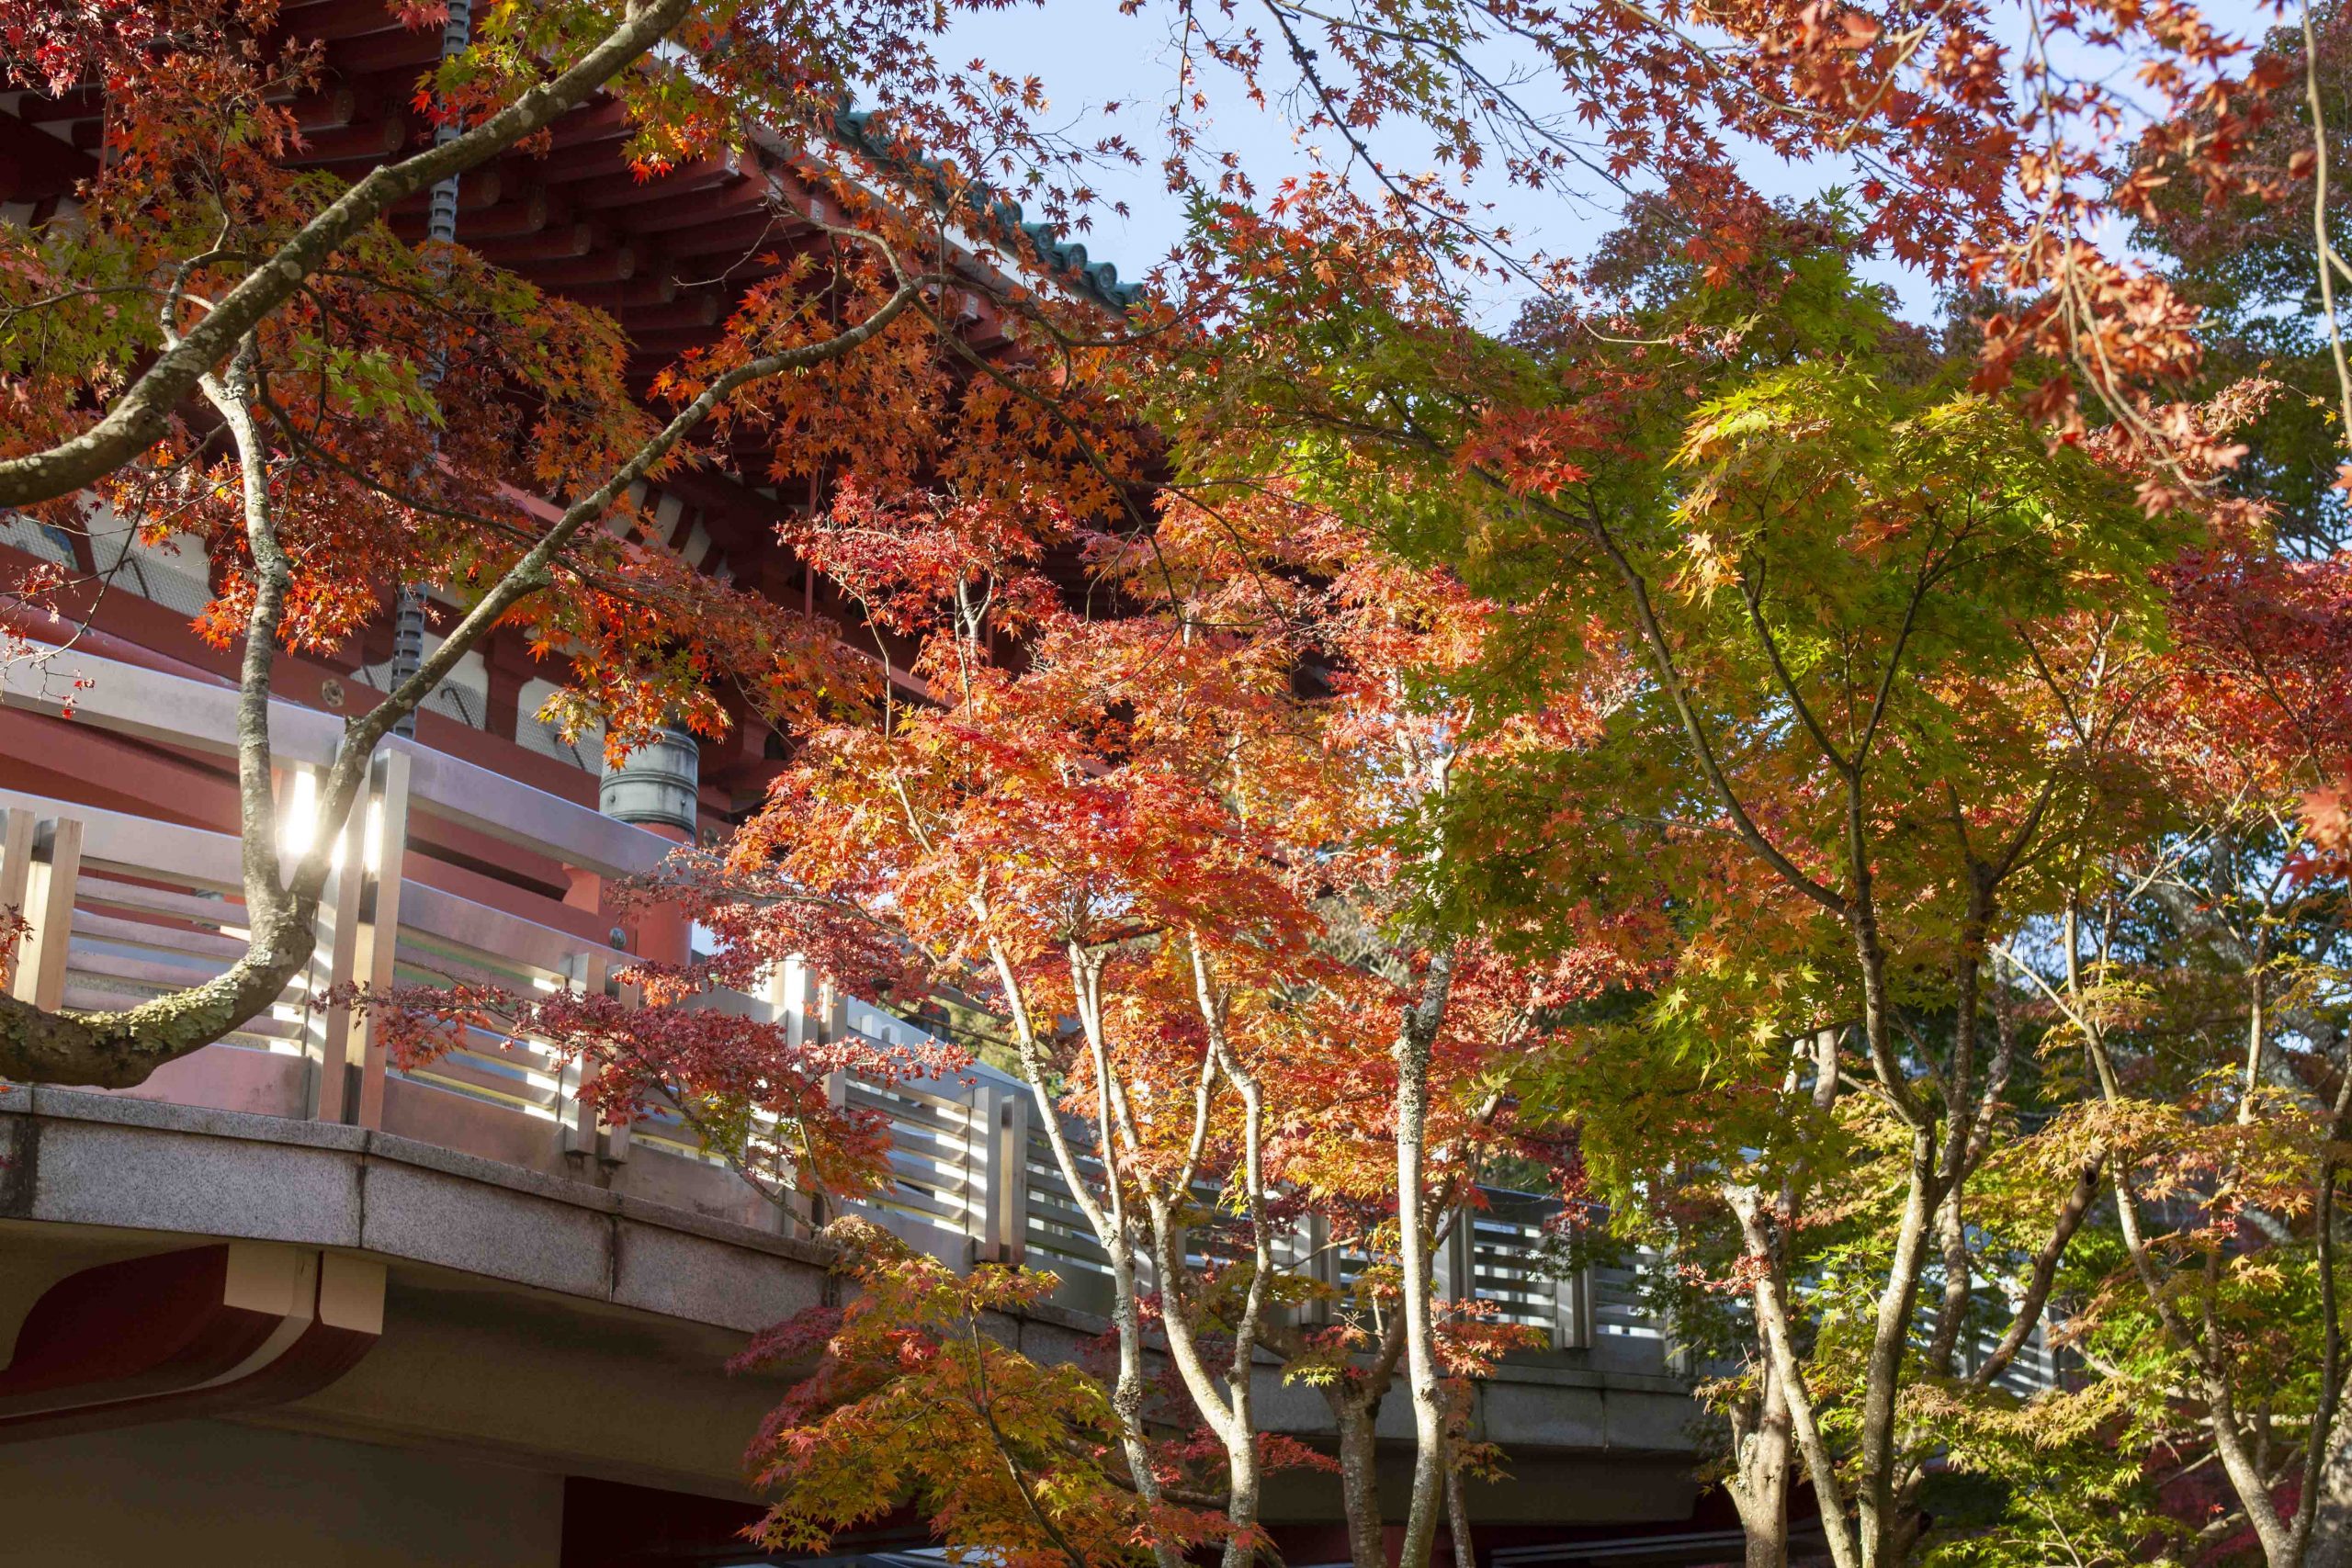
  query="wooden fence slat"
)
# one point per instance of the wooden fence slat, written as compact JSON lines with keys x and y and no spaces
{"x":379,"y":933}
{"x":48,"y":903}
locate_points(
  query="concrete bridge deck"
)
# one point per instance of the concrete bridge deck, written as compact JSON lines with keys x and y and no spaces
{"x":537,"y":1332}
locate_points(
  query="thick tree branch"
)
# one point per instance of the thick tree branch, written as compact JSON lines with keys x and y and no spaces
{"x":143,"y":414}
{"x":119,"y":1048}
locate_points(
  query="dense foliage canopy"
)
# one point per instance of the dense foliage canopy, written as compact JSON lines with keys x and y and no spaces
{"x":1858,"y":812}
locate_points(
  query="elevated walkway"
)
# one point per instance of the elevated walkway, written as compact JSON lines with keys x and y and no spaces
{"x":457,"y":1276}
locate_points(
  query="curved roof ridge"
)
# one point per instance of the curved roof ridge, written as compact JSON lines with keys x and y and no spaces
{"x":1065,"y":259}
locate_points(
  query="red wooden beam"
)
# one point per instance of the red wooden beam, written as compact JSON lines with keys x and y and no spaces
{"x":701,"y":308}
{"x":324,"y":111}
{"x":383,"y":51}
{"x":198,"y":1332}
{"x":660,"y":345}
{"x":604,"y":119}
{"x":479,"y":189}
{"x":615,"y":265}
{"x":75,"y":103}
{"x":370,"y":139}
{"x":35,"y":165}
{"x":327,"y":20}
{"x":620,"y":187}
{"x":658,"y":286}
{"x":507,"y":220}
{"x":696,"y":208}
{"x":596,"y":160}
{"x":560,"y":241}
{"x":756,"y":233}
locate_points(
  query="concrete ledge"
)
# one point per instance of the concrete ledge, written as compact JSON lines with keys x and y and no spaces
{"x":84,"y":1159}
{"x":393,"y":1148}
{"x":77,"y":1105}
{"x":95,"y":1159}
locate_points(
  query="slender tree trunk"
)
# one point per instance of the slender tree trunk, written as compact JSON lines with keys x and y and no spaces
{"x":1231,"y":1413}
{"x":1355,"y":1397}
{"x":1242,"y":1462}
{"x":1457,"y":1519}
{"x":1108,"y":1220}
{"x":1890,"y":1338}
{"x":1414,"y":1040}
{"x":1951,"y":1311}
{"x":1772,"y":1319}
{"x":1967,"y":1127}
{"x":1877,"y":1459}
{"x":2331,"y":1531}
{"x":1766,"y":1460}
{"x":1127,"y":1393}
{"x":1230,"y":1416}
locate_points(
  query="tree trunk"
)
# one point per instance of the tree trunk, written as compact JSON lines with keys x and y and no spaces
{"x":1356,"y":1415}
{"x":1761,"y":1496}
{"x":2331,"y":1537}
{"x":1414,"y":1042}
{"x":1773,"y":1327}
{"x":1874,"y":1492}
{"x":1457,"y":1520}
{"x":1127,"y":1393}
{"x":1108,"y":1220}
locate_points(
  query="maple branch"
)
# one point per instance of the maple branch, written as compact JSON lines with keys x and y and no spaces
{"x":141,"y":417}
{"x":1004,"y":1446}
{"x":1670,"y":677}
{"x":1226,"y":1414}
{"x":1996,"y":1084}
{"x":232,"y":397}
{"x":1336,"y":115}
{"x":1929,"y":575}
{"x":119,"y":1048}
{"x":2313,"y":100}
{"x":1751,"y":590}
{"x":2072,"y":1212}
{"x":2014,"y":851}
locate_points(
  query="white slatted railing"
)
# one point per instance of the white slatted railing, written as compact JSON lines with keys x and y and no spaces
{"x":149,"y":907}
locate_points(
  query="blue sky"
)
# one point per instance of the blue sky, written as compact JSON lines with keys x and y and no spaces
{"x":1088,"y":54}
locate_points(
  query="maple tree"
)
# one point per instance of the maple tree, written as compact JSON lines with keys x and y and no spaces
{"x":2196,"y":970}
{"x":1831,"y":608}
{"x":912,"y":1396}
{"x":2194,"y":976}
{"x":1146,"y":830}
{"x":1990,"y":584}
